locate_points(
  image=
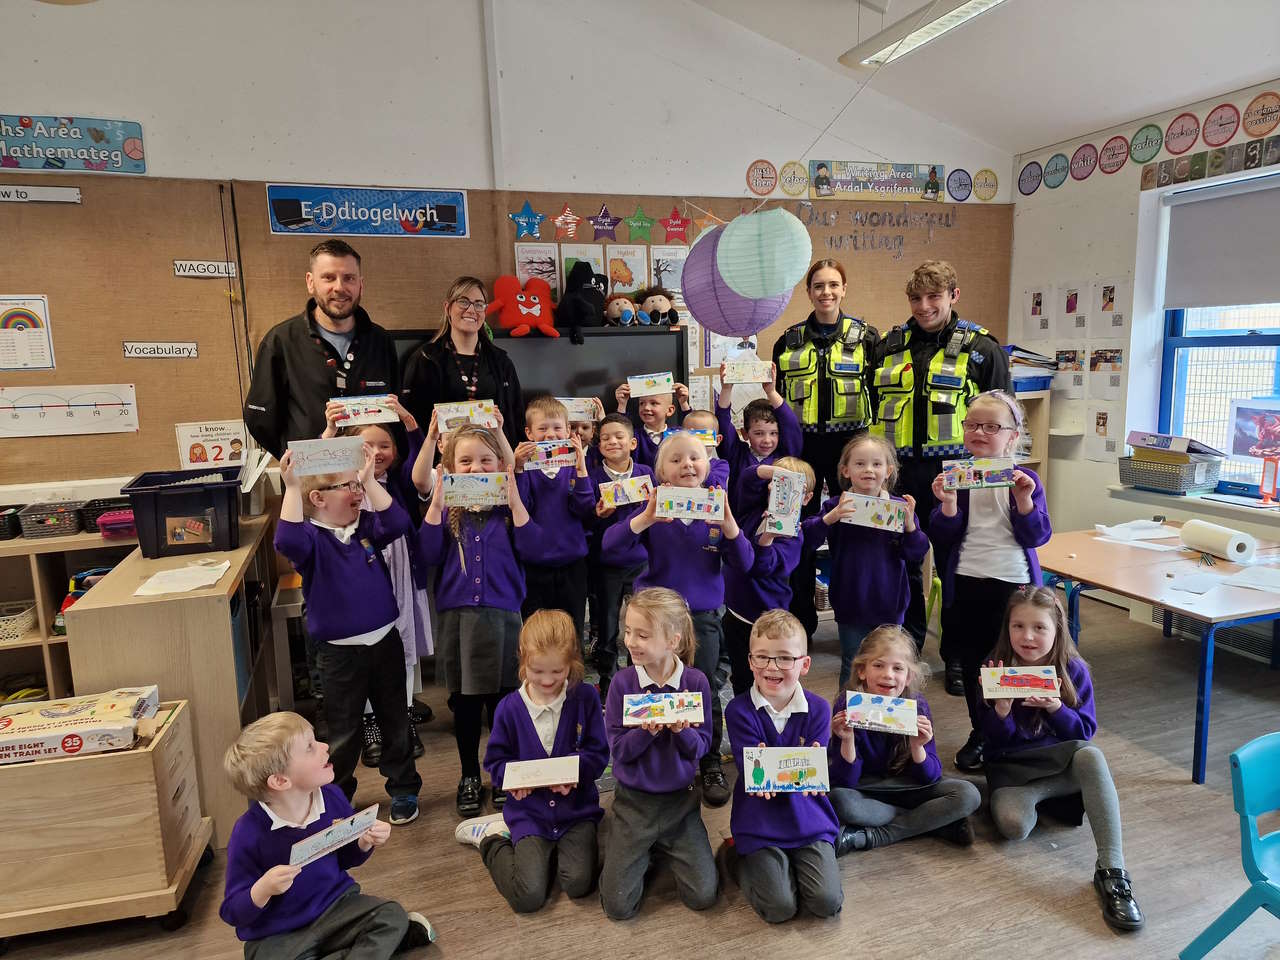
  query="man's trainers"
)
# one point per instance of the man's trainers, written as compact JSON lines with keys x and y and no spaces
{"x":420,"y":933}
{"x":715,"y":791}
{"x":403,"y":810}
{"x":371,"y":755}
{"x":478,"y":829}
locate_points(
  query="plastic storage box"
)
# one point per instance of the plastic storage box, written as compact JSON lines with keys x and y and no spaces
{"x":1199,"y":476}
{"x":55,"y":519}
{"x":1031,"y":384}
{"x":179,"y":511}
{"x":10,"y":526}
{"x":93,"y":509}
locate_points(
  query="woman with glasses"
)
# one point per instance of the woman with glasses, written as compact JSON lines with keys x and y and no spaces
{"x":462,"y":363}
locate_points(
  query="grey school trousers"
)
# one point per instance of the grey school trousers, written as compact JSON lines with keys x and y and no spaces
{"x":892,"y":815}
{"x":355,"y":926}
{"x":666,"y":823}
{"x":522,"y":871}
{"x":778,"y":882}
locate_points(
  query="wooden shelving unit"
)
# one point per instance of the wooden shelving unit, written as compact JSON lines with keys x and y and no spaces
{"x":1035,"y":403}
{"x":39,"y":568}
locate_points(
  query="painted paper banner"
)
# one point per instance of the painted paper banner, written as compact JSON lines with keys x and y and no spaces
{"x":551,"y":772}
{"x":1018,"y":682}
{"x":361,"y":410}
{"x":875,"y":512}
{"x":785,"y":769}
{"x":335,"y":836}
{"x":334,"y":455}
{"x":213,"y":444}
{"x":475,"y":489}
{"x":617,"y":493}
{"x":71,"y":144}
{"x":366,"y":211}
{"x":690,"y":503}
{"x":450,"y":416}
{"x":748,"y":371}
{"x":581,"y":409}
{"x":651,"y":384}
{"x":977,"y":473}
{"x":873,"y":711}
{"x":665,"y":706}
{"x":859,"y":180}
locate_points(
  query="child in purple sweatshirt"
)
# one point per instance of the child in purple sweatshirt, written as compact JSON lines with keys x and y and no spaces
{"x":481,"y":587}
{"x":553,"y":714}
{"x":784,"y":842}
{"x":351,"y":614}
{"x":562,"y":502}
{"x":767,"y":585}
{"x":655,"y":804}
{"x":769,"y":430}
{"x":886,"y":787}
{"x":1038,"y":749}
{"x":281,"y":911}
{"x":687,"y":556}
{"x":985,"y":541}
{"x":868,"y":564}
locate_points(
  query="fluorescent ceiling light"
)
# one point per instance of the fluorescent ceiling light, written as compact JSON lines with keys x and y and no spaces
{"x":907,"y":34}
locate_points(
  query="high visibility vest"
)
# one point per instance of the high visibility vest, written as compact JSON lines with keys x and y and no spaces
{"x":845,"y":373}
{"x":947,"y":385}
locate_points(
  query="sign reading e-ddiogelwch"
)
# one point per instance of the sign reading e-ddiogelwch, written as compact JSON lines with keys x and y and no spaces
{"x":366,"y":211}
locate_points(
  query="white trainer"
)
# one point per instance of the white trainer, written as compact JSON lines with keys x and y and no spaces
{"x":476,"y":830}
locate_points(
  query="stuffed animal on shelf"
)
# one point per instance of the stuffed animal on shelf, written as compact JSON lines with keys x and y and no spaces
{"x":583,"y":302}
{"x":656,"y":307}
{"x":523,"y":309}
{"x":620,"y":311}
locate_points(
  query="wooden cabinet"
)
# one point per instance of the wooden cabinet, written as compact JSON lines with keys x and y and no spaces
{"x":1035,"y":404}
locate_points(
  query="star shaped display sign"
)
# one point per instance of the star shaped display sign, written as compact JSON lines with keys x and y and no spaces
{"x":566,"y":222}
{"x":527,"y":221}
{"x":640,"y":225}
{"x":677,"y":227}
{"x":707,"y":222}
{"x":606,"y":225}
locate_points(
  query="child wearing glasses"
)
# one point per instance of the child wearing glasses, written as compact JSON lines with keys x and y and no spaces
{"x":783,"y":846}
{"x":986,"y":542}
{"x":337,"y":548}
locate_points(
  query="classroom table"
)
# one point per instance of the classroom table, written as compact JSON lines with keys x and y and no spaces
{"x":1079,"y":560}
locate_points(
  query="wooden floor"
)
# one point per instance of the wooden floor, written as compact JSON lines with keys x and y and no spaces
{"x":920,"y":898}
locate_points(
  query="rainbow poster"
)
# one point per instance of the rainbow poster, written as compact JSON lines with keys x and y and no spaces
{"x":26,"y":342}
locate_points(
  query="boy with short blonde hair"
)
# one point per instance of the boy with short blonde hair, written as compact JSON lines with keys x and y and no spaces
{"x":282,"y":911}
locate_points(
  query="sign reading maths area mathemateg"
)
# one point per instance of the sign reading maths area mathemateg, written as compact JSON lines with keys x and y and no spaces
{"x":72,"y":144}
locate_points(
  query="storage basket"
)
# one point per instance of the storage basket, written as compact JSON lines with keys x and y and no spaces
{"x":55,"y":519}
{"x":93,"y":509}
{"x":1178,"y":478}
{"x":10,"y":525}
{"x":16,"y":620}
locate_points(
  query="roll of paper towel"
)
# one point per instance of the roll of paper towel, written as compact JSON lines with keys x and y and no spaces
{"x":1219,"y":541}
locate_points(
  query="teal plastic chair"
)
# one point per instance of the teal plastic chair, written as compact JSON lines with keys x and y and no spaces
{"x":1255,"y":782}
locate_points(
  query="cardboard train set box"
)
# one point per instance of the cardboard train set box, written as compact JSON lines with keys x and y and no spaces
{"x":65,"y":728}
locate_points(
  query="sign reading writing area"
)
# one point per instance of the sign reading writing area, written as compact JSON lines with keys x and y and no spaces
{"x":71,"y":143}
{"x":366,"y":211}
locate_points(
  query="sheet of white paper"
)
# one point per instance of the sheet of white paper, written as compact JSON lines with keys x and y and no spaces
{"x":1037,"y":311}
{"x":1071,"y":310}
{"x":1197,"y":583}
{"x":1073,"y":365}
{"x":1106,"y":373}
{"x":1136,"y":530}
{"x":1103,"y":432}
{"x":338,"y":834}
{"x":1112,"y":299}
{"x":700,"y":391}
{"x":1140,"y":544}
{"x":552,"y":772}
{"x":1256,"y":578}
{"x":190,"y":577}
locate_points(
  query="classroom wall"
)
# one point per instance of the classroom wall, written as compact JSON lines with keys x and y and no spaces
{"x":1085,"y":231}
{"x":649,"y":98}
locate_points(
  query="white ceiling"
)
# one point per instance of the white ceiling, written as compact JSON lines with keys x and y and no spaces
{"x":1030,"y":73}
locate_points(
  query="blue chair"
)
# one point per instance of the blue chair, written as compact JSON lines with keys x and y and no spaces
{"x":1255,"y":782}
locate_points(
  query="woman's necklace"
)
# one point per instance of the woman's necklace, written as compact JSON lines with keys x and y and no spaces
{"x":470,"y":374}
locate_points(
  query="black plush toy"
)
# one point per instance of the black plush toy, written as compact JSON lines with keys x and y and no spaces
{"x":583,"y":302}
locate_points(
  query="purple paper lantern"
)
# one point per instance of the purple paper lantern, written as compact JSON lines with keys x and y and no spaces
{"x":714,"y":304}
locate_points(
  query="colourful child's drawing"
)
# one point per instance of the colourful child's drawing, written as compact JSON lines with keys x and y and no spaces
{"x":690,"y":503}
{"x":1015,"y":682}
{"x":475,"y":489}
{"x":616,"y":493}
{"x":450,"y":416}
{"x":748,"y":371}
{"x":553,"y":454}
{"x":581,"y":409}
{"x":873,"y":711}
{"x":976,"y":473}
{"x":706,"y":437}
{"x":651,"y":384}
{"x":876,"y":512}
{"x":551,"y":772}
{"x":361,"y":410}
{"x":662,"y":707}
{"x":338,"y":834}
{"x":786,"y":769}
{"x":786,"y":497}
{"x":334,"y":455}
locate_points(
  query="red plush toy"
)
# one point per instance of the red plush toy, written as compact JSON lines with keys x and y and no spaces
{"x":523,"y":310}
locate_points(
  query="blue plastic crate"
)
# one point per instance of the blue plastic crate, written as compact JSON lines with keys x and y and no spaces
{"x":1031,"y":384}
{"x":184,"y":511}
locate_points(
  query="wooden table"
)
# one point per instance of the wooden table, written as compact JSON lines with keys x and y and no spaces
{"x":1079,"y":560}
{"x":188,"y":645}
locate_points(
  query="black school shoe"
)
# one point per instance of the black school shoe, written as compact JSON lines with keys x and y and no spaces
{"x":371,"y":755}
{"x":850,"y":839}
{"x":419,"y":934}
{"x":715,"y":791}
{"x":955,"y":678}
{"x":499,"y":798}
{"x":470,"y":796}
{"x":959,"y":832}
{"x":415,"y":741}
{"x":969,"y":757}
{"x":1119,"y":909}
{"x":421,"y":713}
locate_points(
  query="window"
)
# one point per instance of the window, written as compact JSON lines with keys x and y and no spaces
{"x":1213,"y":355}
